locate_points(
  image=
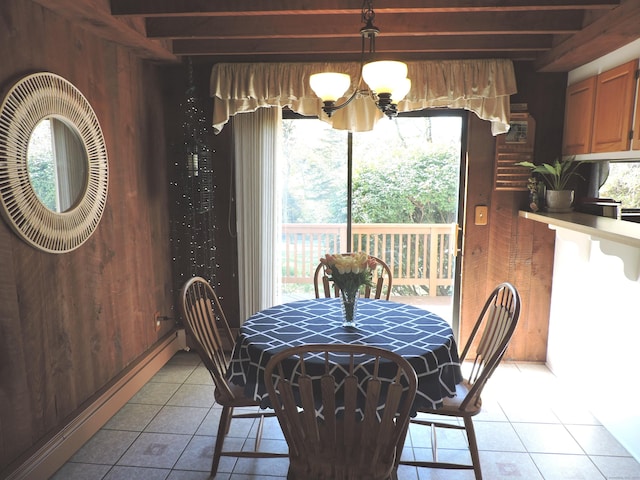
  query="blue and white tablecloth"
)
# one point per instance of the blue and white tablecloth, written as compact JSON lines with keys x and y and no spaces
{"x":420,"y":336}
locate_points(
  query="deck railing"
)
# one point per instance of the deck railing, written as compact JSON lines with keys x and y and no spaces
{"x":420,"y":256}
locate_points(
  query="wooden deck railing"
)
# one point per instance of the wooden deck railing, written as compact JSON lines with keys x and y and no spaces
{"x":419,"y":255}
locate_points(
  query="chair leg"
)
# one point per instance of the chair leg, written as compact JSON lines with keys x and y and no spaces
{"x":434,"y":443}
{"x":473,"y":447}
{"x":259,"y":432}
{"x":394,"y":473}
{"x":223,"y":429}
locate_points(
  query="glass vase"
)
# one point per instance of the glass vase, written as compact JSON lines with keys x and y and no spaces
{"x":349,"y":307}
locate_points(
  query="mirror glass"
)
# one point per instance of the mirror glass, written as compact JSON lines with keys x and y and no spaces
{"x":57,"y":164}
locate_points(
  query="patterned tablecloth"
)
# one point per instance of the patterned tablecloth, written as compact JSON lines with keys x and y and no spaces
{"x":420,"y":336}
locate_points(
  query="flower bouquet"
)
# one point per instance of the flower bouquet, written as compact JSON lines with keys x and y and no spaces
{"x":349,"y":272}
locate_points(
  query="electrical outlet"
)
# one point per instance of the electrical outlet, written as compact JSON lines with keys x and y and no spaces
{"x":156,"y":320}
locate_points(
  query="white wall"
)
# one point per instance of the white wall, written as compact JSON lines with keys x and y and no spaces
{"x":594,"y":329}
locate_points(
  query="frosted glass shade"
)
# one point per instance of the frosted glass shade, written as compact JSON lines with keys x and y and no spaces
{"x":401,"y":90}
{"x":384,"y":76}
{"x":329,"y":86}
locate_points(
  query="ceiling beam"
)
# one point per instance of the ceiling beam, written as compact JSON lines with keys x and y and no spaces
{"x":606,"y":34}
{"x":390,"y":25}
{"x":151,"y":8}
{"x":478,"y":43}
{"x":354,"y":57}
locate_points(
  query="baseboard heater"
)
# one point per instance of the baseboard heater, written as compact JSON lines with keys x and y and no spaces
{"x":46,"y":460}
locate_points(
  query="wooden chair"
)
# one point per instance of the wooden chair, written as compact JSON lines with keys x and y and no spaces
{"x":207,"y":326}
{"x":338,"y":427}
{"x":495,"y":325}
{"x":382,"y":279}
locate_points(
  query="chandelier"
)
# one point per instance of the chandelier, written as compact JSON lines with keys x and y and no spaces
{"x":386,"y":80}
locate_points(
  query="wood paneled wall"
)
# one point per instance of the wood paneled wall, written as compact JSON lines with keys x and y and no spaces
{"x":510,"y":248}
{"x":70,"y":323}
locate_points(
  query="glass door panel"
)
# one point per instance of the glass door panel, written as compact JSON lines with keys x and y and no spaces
{"x":314,"y":198}
{"x":404,"y":178}
{"x":406,"y":183}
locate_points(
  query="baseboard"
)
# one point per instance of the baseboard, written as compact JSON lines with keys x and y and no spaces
{"x":57,"y":451}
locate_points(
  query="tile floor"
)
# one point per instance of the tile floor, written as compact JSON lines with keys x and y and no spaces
{"x":530,"y":429}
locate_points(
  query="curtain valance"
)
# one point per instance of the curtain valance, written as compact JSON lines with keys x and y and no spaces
{"x":481,"y":86}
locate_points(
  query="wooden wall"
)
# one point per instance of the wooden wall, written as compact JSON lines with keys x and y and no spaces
{"x":70,"y":323}
{"x":510,"y":248}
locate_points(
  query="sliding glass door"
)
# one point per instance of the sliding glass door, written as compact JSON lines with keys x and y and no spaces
{"x":393,"y":192}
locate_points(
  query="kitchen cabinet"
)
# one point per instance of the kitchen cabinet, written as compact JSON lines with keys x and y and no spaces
{"x":599,"y":112}
{"x":635,"y":141}
{"x":578,"y":118}
{"x":613,"y":109}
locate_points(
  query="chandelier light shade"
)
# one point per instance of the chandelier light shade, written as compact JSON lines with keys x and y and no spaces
{"x":329,"y":86}
{"x":401,"y":90}
{"x":384,"y":76}
{"x":386,"y":80}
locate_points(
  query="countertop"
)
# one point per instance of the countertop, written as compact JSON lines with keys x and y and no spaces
{"x":620,"y":231}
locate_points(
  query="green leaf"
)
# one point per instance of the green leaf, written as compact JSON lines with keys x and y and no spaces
{"x":527,"y":164}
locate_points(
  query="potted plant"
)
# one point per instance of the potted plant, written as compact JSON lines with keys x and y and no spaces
{"x":556,"y":176}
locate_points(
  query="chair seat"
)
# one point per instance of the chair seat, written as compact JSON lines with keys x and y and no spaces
{"x":452,"y":405}
{"x":238,"y":400}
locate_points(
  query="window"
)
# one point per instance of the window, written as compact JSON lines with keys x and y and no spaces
{"x":622,"y":184}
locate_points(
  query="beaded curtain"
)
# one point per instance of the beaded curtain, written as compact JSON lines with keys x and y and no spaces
{"x":192,"y":188}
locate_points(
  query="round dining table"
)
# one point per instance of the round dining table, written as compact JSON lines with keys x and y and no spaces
{"x":420,"y":336}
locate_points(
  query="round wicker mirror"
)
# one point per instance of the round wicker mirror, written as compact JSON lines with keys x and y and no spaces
{"x":46,"y":98}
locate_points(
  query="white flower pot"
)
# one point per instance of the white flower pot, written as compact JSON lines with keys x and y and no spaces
{"x":559,"y":201}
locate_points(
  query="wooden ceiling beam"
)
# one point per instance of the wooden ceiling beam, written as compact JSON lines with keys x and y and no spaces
{"x":158,"y":8}
{"x":606,"y":34}
{"x":396,"y":45}
{"x":313,"y":57}
{"x":390,"y":25}
{"x":574,"y":31}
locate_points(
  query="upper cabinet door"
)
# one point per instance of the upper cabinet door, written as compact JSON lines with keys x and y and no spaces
{"x":578,"y":117}
{"x":635,"y":142}
{"x":615,"y":93}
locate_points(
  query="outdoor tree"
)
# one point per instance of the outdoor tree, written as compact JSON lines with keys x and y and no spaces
{"x":623,"y":184}
{"x":41,"y":165}
{"x":315,"y":174}
{"x":421,"y":188}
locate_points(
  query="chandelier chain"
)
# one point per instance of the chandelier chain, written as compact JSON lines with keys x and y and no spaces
{"x":368,"y":15}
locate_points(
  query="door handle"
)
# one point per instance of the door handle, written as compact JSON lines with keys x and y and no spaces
{"x":458,"y":239}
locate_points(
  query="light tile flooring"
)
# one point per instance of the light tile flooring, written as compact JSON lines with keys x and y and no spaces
{"x":530,"y":428}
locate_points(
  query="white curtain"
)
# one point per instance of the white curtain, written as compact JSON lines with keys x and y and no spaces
{"x":256,"y":137}
{"x":481,"y":86}
{"x":71,"y":164}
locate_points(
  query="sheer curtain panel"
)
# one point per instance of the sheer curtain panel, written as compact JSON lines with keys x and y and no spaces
{"x":256,"y":137}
